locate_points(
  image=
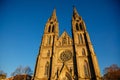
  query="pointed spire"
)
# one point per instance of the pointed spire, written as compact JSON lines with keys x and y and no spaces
{"x":75,"y":11}
{"x":54,"y":13}
{"x":53,"y":16}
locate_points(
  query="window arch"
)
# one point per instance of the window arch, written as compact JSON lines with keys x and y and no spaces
{"x":86,"y":69}
{"x":77,"y":27}
{"x":49,"y":40}
{"x":47,"y":69}
{"x":83,"y":52}
{"x":48,"y":53}
{"x":49,"y":28}
{"x":80,"y":38}
{"x":81,"y":26}
{"x":53,"y":28}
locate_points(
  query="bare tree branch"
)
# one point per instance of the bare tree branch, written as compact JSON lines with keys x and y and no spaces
{"x":22,"y":70}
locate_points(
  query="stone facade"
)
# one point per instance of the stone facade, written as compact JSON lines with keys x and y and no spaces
{"x":65,"y":57}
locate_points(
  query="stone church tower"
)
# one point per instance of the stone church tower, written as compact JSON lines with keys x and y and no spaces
{"x":66,"y":58}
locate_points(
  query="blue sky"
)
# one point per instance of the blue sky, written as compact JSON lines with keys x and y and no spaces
{"x":22,"y":24}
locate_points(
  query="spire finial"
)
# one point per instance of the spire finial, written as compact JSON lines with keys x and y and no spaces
{"x":53,"y":16}
{"x":54,"y":12}
{"x":75,"y":11}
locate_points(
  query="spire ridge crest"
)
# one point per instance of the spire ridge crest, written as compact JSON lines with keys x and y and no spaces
{"x":53,"y":16}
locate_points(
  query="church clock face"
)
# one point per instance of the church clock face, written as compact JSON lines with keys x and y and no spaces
{"x":65,"y":56}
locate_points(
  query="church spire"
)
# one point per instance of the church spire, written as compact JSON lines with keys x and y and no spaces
{"x":52,"y":24}
{"x":53,"y":16}
{"x":76,"y":53}
{"x":75,"y":11}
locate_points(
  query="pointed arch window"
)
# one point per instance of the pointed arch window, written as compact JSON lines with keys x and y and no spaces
{"x":49,"y":40}
{"x":80,"y":38}
{"x":81,"y":26}
{"x":53,"y":28}
{"x":49,"y":28}
{"x":83,"y":52}
{"x":48,"y":53}
{"x":47,"y":69}
{"x":77,"y":27}
{"x":86,"y":69}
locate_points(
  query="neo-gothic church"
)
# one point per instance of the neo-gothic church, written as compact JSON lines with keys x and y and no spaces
{"x":64,"y":57}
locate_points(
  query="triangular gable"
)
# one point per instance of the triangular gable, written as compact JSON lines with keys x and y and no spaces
{"x":64,"y":39}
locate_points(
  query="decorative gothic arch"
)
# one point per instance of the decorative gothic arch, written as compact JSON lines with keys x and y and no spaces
{"x":53,"y":28}
{"x":83,"y":52}
{"x":47,"y":69}
{"x":81,"y":26}
{"x":49,"y":40}
{"x":49,"y":28}
{"x":80,"y":39}
{"x":86,"y":69}
{"x":77,"y":26}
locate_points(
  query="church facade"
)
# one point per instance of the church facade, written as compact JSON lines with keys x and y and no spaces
{"x":65,"y":57}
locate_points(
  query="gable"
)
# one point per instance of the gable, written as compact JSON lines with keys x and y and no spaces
{"x":64,"y":39}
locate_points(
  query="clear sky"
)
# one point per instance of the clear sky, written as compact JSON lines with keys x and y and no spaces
{"x":22,"y":24}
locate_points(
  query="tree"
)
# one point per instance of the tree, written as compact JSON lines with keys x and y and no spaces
{"x":2,"y":75}
{"x":22,"y":70}
{"x":27,"y":70}
{"x":2,"y":72}
{"x":112,"y":73}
